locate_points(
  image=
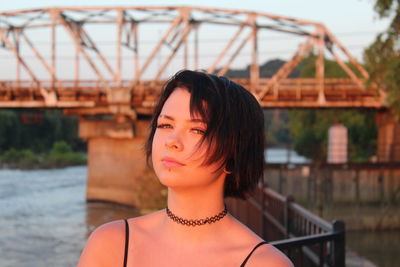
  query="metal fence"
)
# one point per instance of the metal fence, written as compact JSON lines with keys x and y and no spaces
{"x":304,"y":237}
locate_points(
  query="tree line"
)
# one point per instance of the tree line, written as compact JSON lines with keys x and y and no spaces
{"x":32,"y":138}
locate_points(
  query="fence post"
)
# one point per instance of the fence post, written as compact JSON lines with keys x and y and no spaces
{"x":357,"y":186}
{"x":381,"y":187}
{"x":339,"y":244}
{"x":263,"y":185}
{"x":280,"y":180}
{"x":287,"y":215}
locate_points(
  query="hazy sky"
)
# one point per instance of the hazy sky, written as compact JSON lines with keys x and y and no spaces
{"x":352,"y":21}
{"x":339,"y":15}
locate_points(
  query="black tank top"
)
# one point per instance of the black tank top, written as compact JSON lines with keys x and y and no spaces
{"x":127,"y":246}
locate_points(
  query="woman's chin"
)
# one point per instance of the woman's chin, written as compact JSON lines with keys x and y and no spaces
{"x":169,"y":180}
{"x":177,"y":183}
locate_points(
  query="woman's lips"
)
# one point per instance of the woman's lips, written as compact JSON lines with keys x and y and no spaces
{"x":171,"y":162}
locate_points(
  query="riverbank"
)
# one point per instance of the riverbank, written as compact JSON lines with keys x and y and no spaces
{"x":44,"y":164}
{"x":61,"y":155}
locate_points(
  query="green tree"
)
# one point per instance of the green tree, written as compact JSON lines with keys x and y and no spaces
{"x":38,"y":137}
{"x":382,"y":58}
{"x":276,"y":127}
{"x":10,"y":130}
{"x":309,"y":128}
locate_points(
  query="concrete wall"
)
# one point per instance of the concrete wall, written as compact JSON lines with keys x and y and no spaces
{"x":364,"y":198}
{"x":388,"y":143}
{"x":343,"y":184}
{"x":117,"y":169}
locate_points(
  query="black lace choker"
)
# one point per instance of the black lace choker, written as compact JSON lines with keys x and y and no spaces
{"x":208,"y":220}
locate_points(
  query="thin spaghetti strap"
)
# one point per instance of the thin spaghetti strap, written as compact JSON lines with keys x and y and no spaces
{"x":126,"y":242}
{"x":251,"y":252}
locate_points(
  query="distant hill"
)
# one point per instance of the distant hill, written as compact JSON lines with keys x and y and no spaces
{"x":267,"y":70}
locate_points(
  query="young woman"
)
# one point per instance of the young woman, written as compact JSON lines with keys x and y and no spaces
{"x":205,"y":143}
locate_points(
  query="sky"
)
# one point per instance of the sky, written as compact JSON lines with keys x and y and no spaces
{"x":341,"y":16}
{"x":353,"y":22}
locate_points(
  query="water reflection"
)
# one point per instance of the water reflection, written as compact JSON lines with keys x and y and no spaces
{"x":380,"y":247}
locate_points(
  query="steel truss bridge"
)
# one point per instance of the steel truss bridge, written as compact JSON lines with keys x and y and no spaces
{"x":61,"y":60}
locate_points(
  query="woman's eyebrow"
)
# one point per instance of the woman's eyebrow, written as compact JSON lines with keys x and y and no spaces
{"x":172,"y":118}
{"x":166,"y":117}
{"x":197,"y":120}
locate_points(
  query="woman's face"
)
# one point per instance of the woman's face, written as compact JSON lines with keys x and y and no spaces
{"x":177,"y":159}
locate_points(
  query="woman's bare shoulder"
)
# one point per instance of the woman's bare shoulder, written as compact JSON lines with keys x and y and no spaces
{"x":264,"y":255}
{"x":105,"y":246}
{"x":147,"y":220}
{"x":241,"y":232}
{"x":267,"y":255}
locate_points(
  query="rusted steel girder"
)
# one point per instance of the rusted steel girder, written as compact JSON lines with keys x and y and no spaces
{"x":185,"y":30}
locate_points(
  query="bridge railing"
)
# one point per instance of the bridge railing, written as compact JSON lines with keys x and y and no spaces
{"x":342,"y":85}
{"x":291,"y":92}
{"x":306,"y":238}
{"x":75,"y":84}
{"x":77,"y":90}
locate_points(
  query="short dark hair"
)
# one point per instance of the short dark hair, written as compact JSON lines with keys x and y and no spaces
{"x":235,"y":124}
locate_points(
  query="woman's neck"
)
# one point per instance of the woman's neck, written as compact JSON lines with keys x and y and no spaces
{"x":194,"y":204}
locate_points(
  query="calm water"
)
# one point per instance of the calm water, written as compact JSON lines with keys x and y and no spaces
{"x":282,"y":155}
{"x":44,"y":220}
{"x":44,"y":217}
{"x":381,"y":248}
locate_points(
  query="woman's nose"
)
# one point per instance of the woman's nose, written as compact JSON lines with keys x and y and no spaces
{"x":174,"y":143}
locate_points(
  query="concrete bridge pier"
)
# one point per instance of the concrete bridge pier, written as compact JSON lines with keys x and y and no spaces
{"x":388,"y":144}
{"x":117,"y":170}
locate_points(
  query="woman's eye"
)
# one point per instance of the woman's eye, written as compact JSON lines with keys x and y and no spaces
{"x":199,"y":131}
{"x":164,"y":126}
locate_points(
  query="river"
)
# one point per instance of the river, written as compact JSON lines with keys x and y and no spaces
{"x":45,"y":220}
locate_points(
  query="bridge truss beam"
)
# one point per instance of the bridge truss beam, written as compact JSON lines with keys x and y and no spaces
{"x":127,"y":72}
